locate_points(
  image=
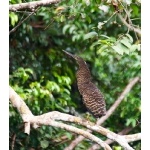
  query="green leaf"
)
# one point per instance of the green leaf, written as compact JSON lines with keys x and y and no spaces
{"x":62,"y":18}
{"x":118,"y":48}
{"x":65,"y":28}
{"x":76,"y":37}
{"x":69,"y":135}
{"x":14,"y":18}
{"x":72,"y":29}
{"x":135,"y":47}
{"x":130,"y":37}
{"x":44,"y":143}
{"x":104,"y":47}
{"x":117,"y":148}
{"x":52,"y":86}
{"x":131,"y":121}
{"x":135,"y":10}
{"x":121,"y":49}
{"x":83,"y":15}
{"x":88,"y":19}
{"x":90,"y":35}
{"x":126,"y":42}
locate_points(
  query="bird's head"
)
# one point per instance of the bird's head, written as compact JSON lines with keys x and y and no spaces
{"x":71,"y":55}
{"x":79,"y":60}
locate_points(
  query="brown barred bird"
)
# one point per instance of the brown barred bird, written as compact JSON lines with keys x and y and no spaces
{"x":92,"y":97}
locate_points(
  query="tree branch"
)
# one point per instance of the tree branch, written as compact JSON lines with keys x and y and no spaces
{"x":42,"y":120}
{"x":49,"y":119}
{"x":32,"y":5}
{"x":109,"y":112}
{"x":133,"y":137}
{"x":119,"y":100}
{"x":13,"y":141}
{"x":129,"y":138}
{"x":22,"y":108}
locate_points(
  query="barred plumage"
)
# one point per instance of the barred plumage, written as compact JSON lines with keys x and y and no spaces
{"x":92,"y":97}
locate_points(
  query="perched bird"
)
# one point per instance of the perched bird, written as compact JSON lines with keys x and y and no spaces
{"x":92,"y":97}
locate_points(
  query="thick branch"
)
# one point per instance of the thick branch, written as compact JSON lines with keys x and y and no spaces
{"x":43,"y":120}
{"x":22,"y":108}
{"x":17,"y":102}
{"x":46,"y":119}
{"x":32,"y":5}
{"x":129,"y":138}
{"x":49,"y":119}
{"x":109,"y":112}
{"x":133,"y":137}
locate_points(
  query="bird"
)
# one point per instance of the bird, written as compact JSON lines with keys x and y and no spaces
{"x":91,"y":95}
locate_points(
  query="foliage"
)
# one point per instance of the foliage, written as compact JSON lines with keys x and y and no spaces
{"x":45,"y":77}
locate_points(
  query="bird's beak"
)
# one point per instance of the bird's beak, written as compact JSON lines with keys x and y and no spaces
{"x":69,"y":54}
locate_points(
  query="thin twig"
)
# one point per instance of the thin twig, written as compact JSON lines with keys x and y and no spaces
{"x":13,"y":141}
{"x":14,"y":29}
{"x":119,"y":100}
{"x":137,"y":30}
{"x":129,"y":25}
